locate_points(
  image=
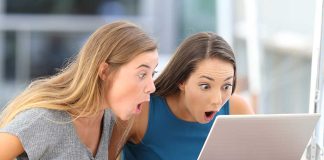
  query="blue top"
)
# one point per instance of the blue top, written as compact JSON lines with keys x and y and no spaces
{"x":168,"y":137}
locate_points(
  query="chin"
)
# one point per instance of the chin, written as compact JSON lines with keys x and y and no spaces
{"x":197,"y":120}
{"x":124,"y":118}
{"x":202,"y":121}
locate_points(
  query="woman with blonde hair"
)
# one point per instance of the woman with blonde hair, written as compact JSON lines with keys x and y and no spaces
{"x":71,"y":115}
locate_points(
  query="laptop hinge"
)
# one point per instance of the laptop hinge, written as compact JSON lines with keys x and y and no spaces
{"x":314,"y":151}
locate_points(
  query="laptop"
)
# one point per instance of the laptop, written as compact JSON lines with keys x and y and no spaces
{"x":255,"y":137}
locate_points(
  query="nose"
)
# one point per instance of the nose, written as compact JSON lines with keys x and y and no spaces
{"x":150,"y":87}
{"x":217,"y":99}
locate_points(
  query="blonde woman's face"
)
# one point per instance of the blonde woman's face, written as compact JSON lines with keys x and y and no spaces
{"x":207,"y":89}
{"x":132,"y":85}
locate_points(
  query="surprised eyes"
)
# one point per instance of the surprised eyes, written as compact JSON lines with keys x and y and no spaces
{"x":204,"y":86}
{"x":141,"y":75}
{"x":207,"y":86}
{"x":228,"y":87}
{"x":144,"y":74}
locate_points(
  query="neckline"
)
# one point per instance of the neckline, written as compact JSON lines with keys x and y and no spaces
{"x":83,"y":146}
{"x":174,"y":117}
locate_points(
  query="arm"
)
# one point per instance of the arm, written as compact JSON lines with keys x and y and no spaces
{"x":10,"y":146}
{"x":240,"y":106}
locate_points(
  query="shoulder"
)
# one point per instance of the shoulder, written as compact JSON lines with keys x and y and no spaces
{"x":238,"y":105}
{"x":25,"y":119}
{"x":34,"y":114}
{"x":30,"y":114}
{"x":37,"y":122}
{"x":36,"y":119}
{"x":43,"y":115}
{"x":36,"y":129}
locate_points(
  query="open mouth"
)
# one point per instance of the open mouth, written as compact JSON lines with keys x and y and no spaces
{"x":209,"y":115}
{"x":138,"y":109}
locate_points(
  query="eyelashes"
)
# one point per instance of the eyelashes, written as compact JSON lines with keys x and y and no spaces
{"x":144,"y":74}
{"x":141,"y":75}
{"x":227,"y":86}
{"x":206,"y":86}
{"x":154,"y":73}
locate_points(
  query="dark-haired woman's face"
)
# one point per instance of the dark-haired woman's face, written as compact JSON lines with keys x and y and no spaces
{"x":207,"y":89}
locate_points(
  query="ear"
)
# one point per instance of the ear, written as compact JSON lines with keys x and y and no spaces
{"x":181,"y":86}
{"x":103,"y":71}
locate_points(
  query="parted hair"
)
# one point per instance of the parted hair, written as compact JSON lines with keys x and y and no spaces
{"x":191,"y":51}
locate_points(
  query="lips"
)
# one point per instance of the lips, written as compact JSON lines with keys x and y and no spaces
{"x":138,"y":109}
{"x":209,"y":115}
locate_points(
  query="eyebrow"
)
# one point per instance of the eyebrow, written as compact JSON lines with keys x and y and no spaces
{"x":144,"y":65}
{"x":212,"y":79}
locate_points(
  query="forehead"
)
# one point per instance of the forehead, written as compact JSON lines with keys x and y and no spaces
{"x":148,"y":58}
{"x":215,"y":68}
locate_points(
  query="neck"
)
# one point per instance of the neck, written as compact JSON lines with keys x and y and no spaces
{"x":95,"y":119}
{"x":178,"y":107}
{"x":86,"y":120}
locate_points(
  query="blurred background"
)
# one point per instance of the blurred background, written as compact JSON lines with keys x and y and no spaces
{"x":272,"y":40}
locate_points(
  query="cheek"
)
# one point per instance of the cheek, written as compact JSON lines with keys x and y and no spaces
{"x":125,"y":91}
{"x":195,"y":99}
{"x":226,"y":97}
{"x":198,"y":95}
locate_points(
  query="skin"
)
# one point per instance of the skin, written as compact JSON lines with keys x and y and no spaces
{"x":206,"y":90}
{"x":131,"y":85}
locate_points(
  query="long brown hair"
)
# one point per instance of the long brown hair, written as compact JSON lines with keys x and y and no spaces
{"x":192,"y":50}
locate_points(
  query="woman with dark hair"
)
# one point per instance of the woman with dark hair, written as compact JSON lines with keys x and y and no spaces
{"x":196,"y":86}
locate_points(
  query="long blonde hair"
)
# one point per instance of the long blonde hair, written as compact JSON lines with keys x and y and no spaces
{"x":77,"y":87}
